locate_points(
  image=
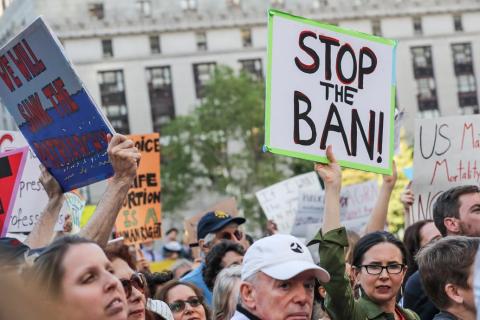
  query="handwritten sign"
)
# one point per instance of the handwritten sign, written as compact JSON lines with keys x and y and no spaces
{"x":60,"y":121}
{"x":356,"y":205}
{"x":140,"y":218}
{"x":328,"y":85}
{"x":280,"y":201}
{"x":11,"y":167}
{"x":446,"y":154}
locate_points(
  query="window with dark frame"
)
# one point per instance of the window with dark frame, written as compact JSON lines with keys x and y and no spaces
{"x":107,"y":48}
{"x":155,"y":44}
{"x":144,"y":8}
{"x":466,"y":81}
{"x":95,"y":10}
{"x":457,"y":23}
{"x":160,"y":91}
{"x":114,"y":104}
{"x":189,"y":5}
{"x":201,"y":38}
{"x":424,"y":75}
{"x":246,"y":37}
{"x":252,"y":67}
{"x":202,"y":74}
{"x":417,"y":25}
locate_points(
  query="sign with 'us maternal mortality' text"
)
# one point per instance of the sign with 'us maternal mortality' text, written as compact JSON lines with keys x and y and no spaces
{"x":328,"y":85}
{"x":54,"y":112}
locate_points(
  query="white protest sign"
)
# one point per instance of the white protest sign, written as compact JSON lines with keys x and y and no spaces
{"x":31,"y":197}
{"x":75,"y":203}
{"x":446,"y":154}
{"x":356,"y":205}
{"x":328,"y":85}
{"x":279,"y":201}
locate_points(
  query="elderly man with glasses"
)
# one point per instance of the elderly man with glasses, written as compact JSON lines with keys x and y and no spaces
{"x":213,"y":228}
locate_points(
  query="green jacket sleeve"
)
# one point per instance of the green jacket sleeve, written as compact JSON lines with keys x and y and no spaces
{"x":339,"y":302}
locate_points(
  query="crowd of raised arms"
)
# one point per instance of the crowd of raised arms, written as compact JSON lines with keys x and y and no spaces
{"x":374,"y":275}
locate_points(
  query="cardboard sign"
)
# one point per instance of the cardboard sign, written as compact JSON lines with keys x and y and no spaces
{"x":356,"y":205}
{"x":31,"y":197}
{"x":445,"y":155}
{"x":280,"y":201}
{"x":228,"y":205}
{"x":11,"y":168}
{"x":60,"y":121}
{"x":140,"y":217}
{"x":328,"y":85}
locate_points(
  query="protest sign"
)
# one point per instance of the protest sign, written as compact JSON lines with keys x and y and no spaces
{"x":328,"y":85}
{"x":74,"y":206}
{"x":228,"y":205}
{"x":140,"y":218}
{"x":11,"y":168}
{"x":446,"y":154}
{"x":31,"y":197}
{"x":356,"y":205}
{"x":280,"y":201}
{"x":60,"y":121}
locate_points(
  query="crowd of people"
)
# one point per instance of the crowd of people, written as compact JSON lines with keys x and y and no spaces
{"x":375,"y":275}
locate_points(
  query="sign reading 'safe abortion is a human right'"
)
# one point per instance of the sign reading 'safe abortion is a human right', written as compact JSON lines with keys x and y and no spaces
{"x":328,"y":85}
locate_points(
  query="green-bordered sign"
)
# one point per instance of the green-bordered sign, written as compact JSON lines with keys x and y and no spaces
{"x":328,"y":85}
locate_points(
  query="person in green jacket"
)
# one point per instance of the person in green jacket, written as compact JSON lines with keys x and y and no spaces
{"x":379,"y":262}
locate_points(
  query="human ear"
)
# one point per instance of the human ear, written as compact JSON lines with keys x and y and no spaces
{"x":247,"y":295}
{"x":452,"y":292}
{"x":452,"y":225}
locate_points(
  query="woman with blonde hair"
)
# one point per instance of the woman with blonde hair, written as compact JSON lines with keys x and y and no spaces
{"x":225,"y":293}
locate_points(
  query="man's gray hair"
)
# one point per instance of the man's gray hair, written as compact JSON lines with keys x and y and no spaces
{"x":224,"y":291}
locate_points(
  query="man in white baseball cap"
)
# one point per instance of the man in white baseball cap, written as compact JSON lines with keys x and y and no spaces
{"x":278,"y":280}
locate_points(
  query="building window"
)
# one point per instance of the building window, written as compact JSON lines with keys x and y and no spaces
{"x":202,"y":73}
{"x":155,"y":44}
{"x":114,"y":104}
{"x":159,"y":80}
{"x":466,"y":82}
{"x":457,"y":23}
{"x":253,"y":67}
{"x":201,"y":41}
{"x":376,"y":27}
{"x":417,"y":25}
{"x":107,"y":48}
{"x":423,"y":72}
{"x":246,"y":37}
{"x":189,"y":5}
{"x":96,"y":10}
{"x":144,"y":7}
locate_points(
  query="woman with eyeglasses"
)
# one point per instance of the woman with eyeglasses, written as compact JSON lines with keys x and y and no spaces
{"x":78,"y":276}
{"x":133,"y":283}
{"x":378,"y":264}
{"x":185,"y":300}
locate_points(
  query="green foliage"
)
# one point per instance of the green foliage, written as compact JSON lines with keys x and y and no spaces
{"x":219,"y":146}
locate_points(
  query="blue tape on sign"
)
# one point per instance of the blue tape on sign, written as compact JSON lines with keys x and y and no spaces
{"x":408,"y":172}
{"x":264,"y":148}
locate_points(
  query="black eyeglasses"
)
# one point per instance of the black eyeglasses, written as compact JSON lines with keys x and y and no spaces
{"x":179,"y":305}
{"x":137,"y":281}
{"x":375,"y":269}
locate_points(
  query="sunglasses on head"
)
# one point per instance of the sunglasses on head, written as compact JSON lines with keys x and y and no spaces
{"x":179,"y":305}
{"x":137,"y":281}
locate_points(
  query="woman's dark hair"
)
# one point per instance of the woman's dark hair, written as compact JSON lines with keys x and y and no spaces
{"x":371,"y":239}
{"x":123,"y":253}
{"x":48,"y":269}
{"x":163,"y":293}
{"x":213,"y":260}
{"x":156,"y":279}
{"x":412,"y":240}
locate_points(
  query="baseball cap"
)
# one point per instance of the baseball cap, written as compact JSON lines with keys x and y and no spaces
{"x":281,"y":257}
{"x":214,"y":221}
{"x":173,"y":246}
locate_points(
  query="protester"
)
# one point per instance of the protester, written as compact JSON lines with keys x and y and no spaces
{"x":171,"y":254}
{"x":379,"y":261}
{"x":181,"y":268}
{"x":185,"y":301}
{"x":134,"y":283}
{"x":454,"y":213}
{"x":447,"y":270}
{"x":222,"y":255}
{"x":278,"y":280}
{"x":416,"y":236}
{"x":213,"y":227}
{"x":226,"y":292}
{"x":150,"y":252}
{"x":78,"y":275}
{"x":156,"y":280}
